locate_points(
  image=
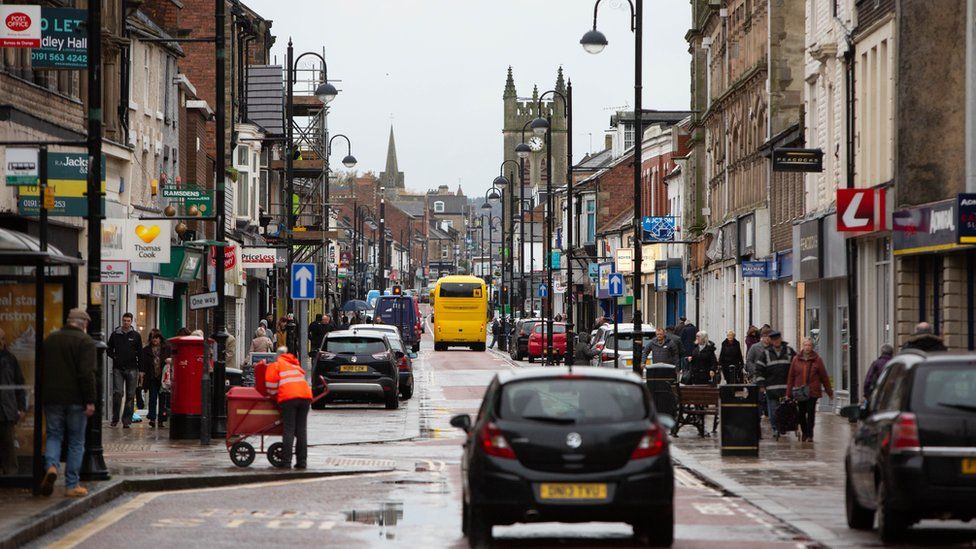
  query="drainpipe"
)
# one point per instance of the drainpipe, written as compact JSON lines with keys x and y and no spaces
{"x":851,"y":243}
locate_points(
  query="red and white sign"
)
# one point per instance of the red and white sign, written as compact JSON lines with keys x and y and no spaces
{"x":258,"y":258}
{"x":230,"y":258}
{"x":20,"y":26}
{"x":345,"y":258}
{"x":860,"y":210}
{"x":115,"y":272}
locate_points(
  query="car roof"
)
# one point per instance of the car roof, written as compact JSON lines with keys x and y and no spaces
{"x":353,"y":333}
{"x":549,"y":372}
{"x":623,"y":328}
{"x":375,"y":328}
{"x":915,"y":357}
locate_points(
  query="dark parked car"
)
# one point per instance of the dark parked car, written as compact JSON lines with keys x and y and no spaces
{"x":913,"y":453}
{"x":567,"y":445}
{"x":523,"y":329}
{"x":404,"y":356}
{"x":403,"y":312}
{"x":357,"y":366}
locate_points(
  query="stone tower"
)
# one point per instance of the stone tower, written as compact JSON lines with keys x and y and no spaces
{"x":392,"y":178}
{"x":518,"y":112}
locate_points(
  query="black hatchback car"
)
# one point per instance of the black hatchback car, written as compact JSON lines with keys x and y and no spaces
{"x":913,"y":453}
{"x":357,"y":365}
{"x":567,"y":445}
{"x":519,"y":348}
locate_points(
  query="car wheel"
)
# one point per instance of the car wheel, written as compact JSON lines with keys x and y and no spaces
{"x":407,"y":392}
{"x":858,"y":516}
{"x":392,"y":401}
{"x":438,"y":346}
{"x":478,"y":347}
{"x":657,"y":532}
{"x":479,"y":528}
{"x":891,"y":523}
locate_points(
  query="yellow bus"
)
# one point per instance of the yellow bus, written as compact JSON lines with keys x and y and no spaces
{"x":460,"y":312}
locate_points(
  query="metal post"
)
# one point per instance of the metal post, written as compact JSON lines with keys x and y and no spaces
{"x":206,"y":390}
{"x":570,"y":212}
{"x":638,"y":138}
{"x":522,"y":235}
{"x":37,"y":470}
{"x":548,"y":243}
{"x":382,"y":241}
{"x":220,"y":332}
{"x":616,"y":330}
{"x":93,"y":465}
{"x":289,"y":202}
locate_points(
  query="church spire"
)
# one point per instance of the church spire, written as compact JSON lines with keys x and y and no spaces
{"x":392,"y":177}
{"x":509,"y":86}
{"x":560,"y":83}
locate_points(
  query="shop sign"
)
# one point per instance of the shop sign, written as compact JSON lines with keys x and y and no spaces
{"x":593,"y":270}
{"x":230,"y":257}
{"x":21,"y":167}
{"x":137,"y":240}
{"x":603,"y":280}
{"x":162,"y":288}
{"x":64,"y":41}
{"x":625,"y":260}
{"x":659,"y":228}
{"x":345,"y":258}
{"x":928,"y":228}
{"x":203,"y":301}
{"x":115,"y":272}
{"x":755,"y":269}
{"x":67,"y":176}
{"x":259,"y":258}
{"x":661,"y":282}
{"x":20,"y":26}
{"x":967,"y":218}
{"x":809,"y":248}
{"x":860,"y":210}
{"x":798,"y":160}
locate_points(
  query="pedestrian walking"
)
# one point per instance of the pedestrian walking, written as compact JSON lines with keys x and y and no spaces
{"x":806,"y":383}
{"x":688,"y":335}
{"x":730,"y":359}
{"x":261,"y":342}
{"x":775,"y":371}
{"x":660,"y":350}
{"x":343,"y":322}
{"x":756,"y":356}
{"x":281,"y":333}
{"x":924,"y":339}
{"x":874,"y":371}
{"x":495,"y":330}
{"x":315,"y":334}
{"x":183,"y":332}
{"x":752,"y":337}
{"x":13,"y":406}
{"x":154,"y":356}
{"x":702,"y":364}
{"x":69,"y":400}
{"x":285,"y":381}
{"x":125,"y":349}
{"x":673,"y":338}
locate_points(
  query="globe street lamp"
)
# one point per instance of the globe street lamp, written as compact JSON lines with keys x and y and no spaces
{"x":594,"y":42}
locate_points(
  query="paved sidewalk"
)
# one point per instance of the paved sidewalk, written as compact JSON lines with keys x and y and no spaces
{"x":801,"y":483}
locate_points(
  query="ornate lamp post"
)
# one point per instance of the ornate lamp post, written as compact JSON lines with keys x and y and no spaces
{"x":349,"y":161}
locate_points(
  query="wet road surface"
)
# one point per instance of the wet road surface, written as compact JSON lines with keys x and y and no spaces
{"x":417,"y":505}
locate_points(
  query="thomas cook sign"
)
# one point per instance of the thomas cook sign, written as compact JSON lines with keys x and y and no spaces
{"x":136,"y":240}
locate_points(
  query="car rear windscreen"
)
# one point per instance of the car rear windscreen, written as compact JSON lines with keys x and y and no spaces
{"x":946,"y":389}
{"x":460,"y":289}
{"x":626,"y":338}
{"x":354,"y":345}
{"x":556,"y":328}
{"x":575,"y":400}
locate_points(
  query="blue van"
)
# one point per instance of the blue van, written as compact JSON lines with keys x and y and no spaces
{"x":401,"y":311}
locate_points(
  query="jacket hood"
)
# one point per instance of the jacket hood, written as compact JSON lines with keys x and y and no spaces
{"x":928,"y":338}
{"x":290,"y":359}
{"x":710,"y":346}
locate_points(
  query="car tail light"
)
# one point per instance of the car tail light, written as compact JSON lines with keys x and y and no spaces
{"x":904,"y":434}
{"x":403,"y":365}
{"x":385,"y":355}
{"x":650,"y":444}
{"x":606,"y":357}
{"x":599,"y":346}
{"x":493,"y":442}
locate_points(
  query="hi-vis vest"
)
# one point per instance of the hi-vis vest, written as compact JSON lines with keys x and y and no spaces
{"x":285,"y":380}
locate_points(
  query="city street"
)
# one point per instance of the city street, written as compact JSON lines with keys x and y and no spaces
{"x":416,"y":505}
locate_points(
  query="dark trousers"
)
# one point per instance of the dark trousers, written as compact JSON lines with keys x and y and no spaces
{"x":124,"y":384}
{"x":294,"y":416}
{"x":732,"y":373}
{"x":8,"y":454}
{"x":153,"y":404}
{"x":807,"y":412}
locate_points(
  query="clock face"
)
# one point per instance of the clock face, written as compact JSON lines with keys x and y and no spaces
{"x":536,"y":143}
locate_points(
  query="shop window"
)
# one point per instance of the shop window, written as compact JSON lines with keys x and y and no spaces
{"x":882,"y":281}
{"x":243,"y":196}
{"x":930,"y":291}
{"x":145,"y":315}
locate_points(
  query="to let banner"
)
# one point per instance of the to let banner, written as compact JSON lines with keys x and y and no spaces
{"x":64,"y":42}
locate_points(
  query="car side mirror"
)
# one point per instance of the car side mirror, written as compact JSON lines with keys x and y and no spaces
{"x":666,"y":421}
{"x":398,"y":354}
{"x":462,"y":421}
{"x":853,"y":412}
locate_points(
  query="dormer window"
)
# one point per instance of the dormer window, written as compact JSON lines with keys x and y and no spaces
{"x":438,"y":207}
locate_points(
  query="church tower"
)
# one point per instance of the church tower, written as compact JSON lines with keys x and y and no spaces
{"x":392,"y":177}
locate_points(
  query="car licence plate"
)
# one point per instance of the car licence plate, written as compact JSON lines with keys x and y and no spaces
{"x":969,"y":466}
{"x":354,"y":368}
{"x":561,"y":491}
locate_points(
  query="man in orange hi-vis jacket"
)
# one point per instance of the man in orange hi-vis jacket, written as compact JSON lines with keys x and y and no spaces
{"x":285,"y":381}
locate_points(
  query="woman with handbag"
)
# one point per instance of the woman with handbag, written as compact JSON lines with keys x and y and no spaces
{"x":806,"y":383}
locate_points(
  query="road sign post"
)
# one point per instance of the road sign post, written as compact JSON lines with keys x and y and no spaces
{"x":303,"y":277}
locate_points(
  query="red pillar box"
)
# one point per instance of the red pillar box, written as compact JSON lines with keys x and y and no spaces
{"x":187,"y":373}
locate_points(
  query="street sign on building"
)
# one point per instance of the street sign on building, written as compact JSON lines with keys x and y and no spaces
{"x":64,"y":40}
{"x":625,"y":260}
{"x":797,"y":160}
{"x":20,"y":26}
{"x":755,"y":269}
{"x":860,"y":210}
{"x":21,"y":167}
{"x":203,"y":301}
{"x":303,"y":278}
{"x":659,"y":228}
{"x":258,"y":258}
{"x":616,"y":284}
{"x":967,"y":218}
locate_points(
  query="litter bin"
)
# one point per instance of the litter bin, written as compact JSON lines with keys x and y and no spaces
{"x":185,"y":406}
{"x":660,"y":381}
{"x":740,"y":420}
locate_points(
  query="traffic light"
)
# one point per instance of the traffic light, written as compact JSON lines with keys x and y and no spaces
{"x":397,"y":290}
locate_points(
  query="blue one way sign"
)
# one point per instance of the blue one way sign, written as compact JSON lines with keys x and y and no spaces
{"x":543,"y":290}
{"x":303,"y":281}
{"x":616,"y":283}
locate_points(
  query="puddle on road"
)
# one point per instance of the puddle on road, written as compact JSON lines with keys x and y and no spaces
{"x":386,"y":518}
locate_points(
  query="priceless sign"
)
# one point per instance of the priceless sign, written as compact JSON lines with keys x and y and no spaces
{"x":64,"y":42}
{"x":20,"y":26}
{"x":860,"y":210}
{"x":798,"y":160}
{"x":258,"y":258}
{"x":21,"y":167}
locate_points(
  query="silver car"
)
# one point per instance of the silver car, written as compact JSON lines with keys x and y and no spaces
{"x":623,"y":340}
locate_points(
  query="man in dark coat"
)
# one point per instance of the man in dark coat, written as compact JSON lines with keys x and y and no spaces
{"x":775,"y":371}
{"x":661,"y":350}
{"x":878,"y":366}
{"x":125,"y":349}
{"x":688,"y":334}
{"x":702,"y":363}
{"x":924,"y":339}
{"x":13,"y":406}
{"x":69,"y":400}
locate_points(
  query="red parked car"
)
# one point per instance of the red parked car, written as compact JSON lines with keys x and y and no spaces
{"x":538,"y":340}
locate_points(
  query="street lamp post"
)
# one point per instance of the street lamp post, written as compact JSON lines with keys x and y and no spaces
{"x":594,"y":42}
{"x":382,"y":241}
{"x":349,"y":161}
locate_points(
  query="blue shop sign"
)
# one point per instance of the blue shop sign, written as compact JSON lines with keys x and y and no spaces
{"x":781,"y":266}
{"x":593,"y":270}
{"x":755,"y":269}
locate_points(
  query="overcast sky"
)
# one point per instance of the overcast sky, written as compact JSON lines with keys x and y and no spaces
{"x":436,"y":70}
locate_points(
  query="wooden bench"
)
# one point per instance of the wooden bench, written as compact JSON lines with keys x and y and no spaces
{"x":694,"y":403}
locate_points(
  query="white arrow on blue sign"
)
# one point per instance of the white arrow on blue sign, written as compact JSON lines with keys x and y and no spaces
{"x":616,"y":283}
{"x":303,"y":281}
{"x":543,"y":290}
